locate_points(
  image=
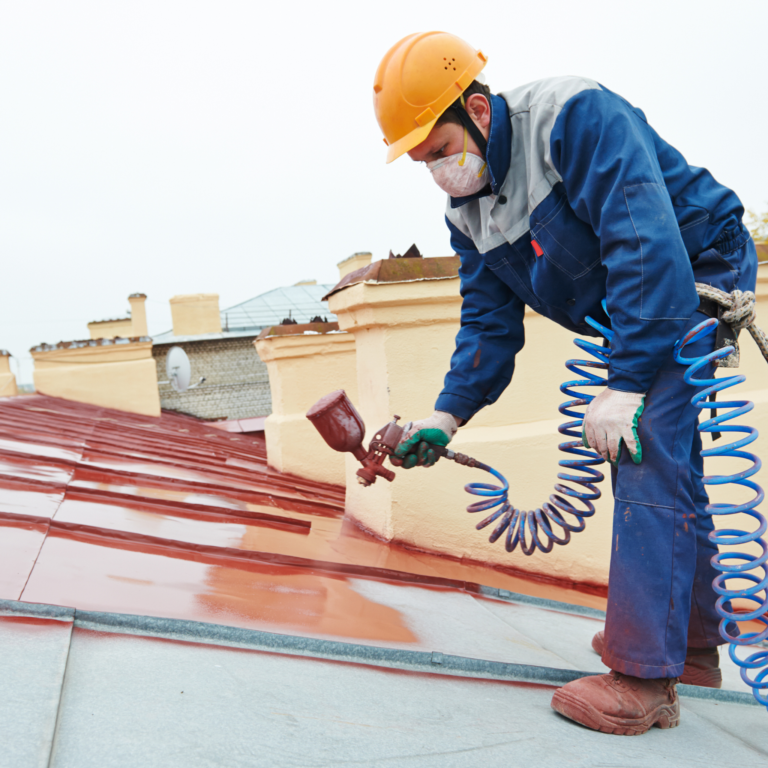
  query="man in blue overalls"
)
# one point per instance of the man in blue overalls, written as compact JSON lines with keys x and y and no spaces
{"x":560,"y":196}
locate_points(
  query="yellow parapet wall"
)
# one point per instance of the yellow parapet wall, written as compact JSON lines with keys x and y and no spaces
{"x":305,"y":362}
{"x":119,"y":375}
{"x":110,"y":329}
{"x":404,"y":327}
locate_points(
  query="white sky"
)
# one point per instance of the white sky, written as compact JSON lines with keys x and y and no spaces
{"x":180,"y":147}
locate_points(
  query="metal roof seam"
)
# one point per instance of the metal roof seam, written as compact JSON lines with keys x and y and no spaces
{"x":36,"y":610}
{"x":186,"y":631}
{"x":541,"y":602}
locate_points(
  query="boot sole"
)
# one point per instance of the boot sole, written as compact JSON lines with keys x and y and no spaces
{"x":569,"y":706}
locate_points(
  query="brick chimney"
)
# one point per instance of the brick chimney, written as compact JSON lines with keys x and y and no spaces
{"x":195,"y":313}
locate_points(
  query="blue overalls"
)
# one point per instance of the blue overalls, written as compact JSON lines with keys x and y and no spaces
{"x":586,"y":203}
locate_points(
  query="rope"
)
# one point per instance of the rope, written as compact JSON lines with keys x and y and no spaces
{"x":740,"y":312}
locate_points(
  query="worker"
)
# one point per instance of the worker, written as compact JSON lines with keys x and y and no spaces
{"x":561,"y":195}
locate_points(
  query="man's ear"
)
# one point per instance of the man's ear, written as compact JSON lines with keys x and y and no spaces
{"x":479,"y":109}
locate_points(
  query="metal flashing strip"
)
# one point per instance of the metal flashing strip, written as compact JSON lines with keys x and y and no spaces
{"x":36,"y":611}
{"x":332,"y":650}
{"x":541,"y":602}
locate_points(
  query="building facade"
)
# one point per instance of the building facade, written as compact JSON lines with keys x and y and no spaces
{"x":236,"y":382}
{"x":221,"y":351}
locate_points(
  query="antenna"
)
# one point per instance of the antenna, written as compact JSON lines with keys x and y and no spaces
{"x":179,"y":371}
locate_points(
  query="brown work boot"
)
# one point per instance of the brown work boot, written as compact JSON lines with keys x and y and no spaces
{"x":620,"y":704}
{"x":702,"y":665}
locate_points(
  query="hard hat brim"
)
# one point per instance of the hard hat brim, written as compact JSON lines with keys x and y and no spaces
{"x":410,"y":140}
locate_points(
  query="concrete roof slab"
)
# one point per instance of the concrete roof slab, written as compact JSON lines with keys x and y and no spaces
{"x":33,"y":657}
{"x":136,"y":701}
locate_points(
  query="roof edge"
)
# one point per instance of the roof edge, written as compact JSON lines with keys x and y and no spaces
{"x":402,"y":270}
{"x":298,"y":329}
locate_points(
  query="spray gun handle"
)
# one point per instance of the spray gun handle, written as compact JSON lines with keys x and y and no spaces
{"x":383,"y":444}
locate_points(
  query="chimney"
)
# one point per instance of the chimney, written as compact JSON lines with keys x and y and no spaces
{"x":195,"y":313}
{"x":354,"y":262}
{"x":8,"y":386}
{"x":138,"y":314}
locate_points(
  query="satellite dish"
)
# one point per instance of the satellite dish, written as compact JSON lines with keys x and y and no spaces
{"x":177,"y":369}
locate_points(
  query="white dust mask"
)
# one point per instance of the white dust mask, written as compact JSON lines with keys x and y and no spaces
{"x":460,"y":175}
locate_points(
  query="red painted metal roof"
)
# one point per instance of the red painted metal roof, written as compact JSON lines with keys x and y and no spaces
{"x":110,"y":511}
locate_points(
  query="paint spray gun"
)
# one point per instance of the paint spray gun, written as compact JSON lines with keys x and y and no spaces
{"x":341,"y":426}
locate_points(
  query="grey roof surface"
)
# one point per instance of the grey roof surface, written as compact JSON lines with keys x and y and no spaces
{"x":132,"y":702}
{"x":299,"y":302}
{"x":33,"y":657}
{"x":113,"y":690}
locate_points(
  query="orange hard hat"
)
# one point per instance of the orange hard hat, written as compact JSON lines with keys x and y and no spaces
{"x":417,"y":80}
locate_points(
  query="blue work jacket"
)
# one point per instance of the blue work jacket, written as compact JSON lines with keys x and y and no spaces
{"x":586,"y":202}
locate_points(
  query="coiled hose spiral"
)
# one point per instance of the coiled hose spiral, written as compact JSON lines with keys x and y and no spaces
{"x":535,"y":529}
{"x":734,"y":564}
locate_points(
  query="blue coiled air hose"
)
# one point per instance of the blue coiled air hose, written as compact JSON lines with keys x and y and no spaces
{"x":733,"y":565}
{"x":538,"y":523}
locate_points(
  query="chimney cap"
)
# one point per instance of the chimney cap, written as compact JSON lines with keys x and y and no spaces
{"x":184,"y":298}
{"x":137,"y":296}
{"x":111,"y":320}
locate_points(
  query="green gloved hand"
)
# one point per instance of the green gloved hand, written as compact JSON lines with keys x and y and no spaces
{"x":414,"y":450}
{"x":611,"y":422}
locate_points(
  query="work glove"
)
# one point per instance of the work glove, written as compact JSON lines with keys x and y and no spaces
{"x":414,"y":448}
{"x":610,"y":421}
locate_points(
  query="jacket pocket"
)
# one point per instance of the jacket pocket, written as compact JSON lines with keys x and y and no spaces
{"x":566,"y":241}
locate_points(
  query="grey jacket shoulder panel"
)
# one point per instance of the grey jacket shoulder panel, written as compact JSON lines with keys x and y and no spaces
{"x":533,"y":110}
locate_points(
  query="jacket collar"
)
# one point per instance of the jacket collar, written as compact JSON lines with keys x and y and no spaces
{"x":499,"y":151}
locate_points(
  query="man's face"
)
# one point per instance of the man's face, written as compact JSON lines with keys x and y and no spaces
{"x":448,"y":138}
{"x":443,"y":140}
